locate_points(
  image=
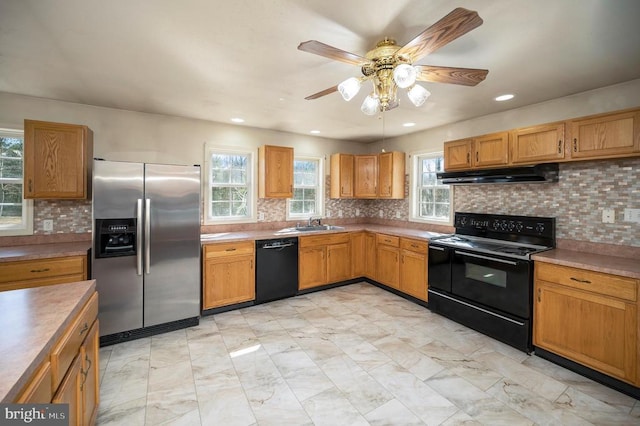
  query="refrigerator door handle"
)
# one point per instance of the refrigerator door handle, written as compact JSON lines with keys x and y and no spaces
{"x":147,"y":236}
{"x":139,"y":237}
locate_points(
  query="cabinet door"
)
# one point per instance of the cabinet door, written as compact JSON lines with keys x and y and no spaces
{"x":457,"y":155}
{"x":38,"y":390}
{"x":538,"y":144}
{"x":312,"y":267}
{"x":69,"y":393}
{"x":370,"y":255}
{"x":56,"y":157}
{"x":366,"y":176}
{"x":342,"y":175}
{"x":338,"y":262}
{"x":228,"y":280}
{"x":491,"y":150}
{"x":391,"y":167}
{"x":90,"y":376}
{"x":357,"y":255}
{"x":275,"y":167}
{"x":605,"y":136}
{"x":597,"y":331}
{"x":413,"y":274}
{"x":388,"y":266}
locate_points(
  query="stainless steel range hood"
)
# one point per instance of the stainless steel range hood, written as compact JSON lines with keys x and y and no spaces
{"x":540,"y":173}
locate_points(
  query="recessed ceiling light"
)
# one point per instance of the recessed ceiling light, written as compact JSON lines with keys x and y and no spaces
{"x":504,"y":97}
{"x":315,"y":132}
{"x":237,"y":120}
{"x":409,"y":124}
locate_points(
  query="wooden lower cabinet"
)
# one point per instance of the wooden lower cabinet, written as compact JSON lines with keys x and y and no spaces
{"x":588,"y":317}
{"x":358,"y":254}
{"x":388,"y":260}
{"x":323,"y":259}
{"x":71,"y":372}
{"x":228,"y":274}
{"x":40,"y":272}
{"x":370,"y":255}
{"x":413,"y":268}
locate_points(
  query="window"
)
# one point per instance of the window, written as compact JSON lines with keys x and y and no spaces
{"x":430,"y":200}
{"x":230,"y":196}
{"x":307,"y":188}
{"x":16,"y":213}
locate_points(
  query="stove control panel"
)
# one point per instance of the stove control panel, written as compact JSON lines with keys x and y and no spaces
{"x":504,"y":226}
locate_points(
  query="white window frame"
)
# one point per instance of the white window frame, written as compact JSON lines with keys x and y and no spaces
{"x":319,"y":191}
{"x":415,"y":186}
{"x":26,"y":225}
{"x":252,"y":209}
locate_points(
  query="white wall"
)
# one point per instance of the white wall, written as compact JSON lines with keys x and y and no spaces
{"x":133,"y":136}
{"x":611,"y":98}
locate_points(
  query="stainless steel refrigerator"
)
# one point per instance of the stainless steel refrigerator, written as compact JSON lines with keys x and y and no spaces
{"x":146,"y":251}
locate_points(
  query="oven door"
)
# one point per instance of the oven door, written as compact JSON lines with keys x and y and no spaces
{"x":496,"y":282}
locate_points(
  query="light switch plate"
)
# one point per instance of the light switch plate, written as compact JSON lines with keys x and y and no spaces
{"x":608,"y":216}
{"x":632,"y":215}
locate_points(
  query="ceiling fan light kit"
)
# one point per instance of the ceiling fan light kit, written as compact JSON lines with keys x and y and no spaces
{"x":390,"y":66}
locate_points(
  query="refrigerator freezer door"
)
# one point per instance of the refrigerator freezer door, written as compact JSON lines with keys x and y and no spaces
{"x":172,"y":265}
{"x":116,"y":188}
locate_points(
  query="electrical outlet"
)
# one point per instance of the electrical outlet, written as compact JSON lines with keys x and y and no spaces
{"x":261,"y":216}
{"x":328,"y":213}
{"x":357,"y":212}
{"x":398,"y":214}
{"x":632,"y":215}
{"x":381,"y":213}
{"x":47,"y":224}
{"x":608,"y":216}
{"x":339,"y":213}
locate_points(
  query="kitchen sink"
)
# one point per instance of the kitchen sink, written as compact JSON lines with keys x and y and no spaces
{"x":311,"y":228}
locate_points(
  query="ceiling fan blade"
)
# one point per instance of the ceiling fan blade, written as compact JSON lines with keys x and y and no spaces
{"x":463,"y":76}
{"x":318,"y":48}
{"x":457,"y":23}
{"x":323,"y":93}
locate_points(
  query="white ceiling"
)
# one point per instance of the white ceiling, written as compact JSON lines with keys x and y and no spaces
{"x":214,"y":60}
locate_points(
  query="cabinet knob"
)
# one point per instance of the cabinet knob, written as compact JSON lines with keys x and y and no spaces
{"x":30,"y":186}
{"x":85,"y":327}
{"x":580,"y":280}
{"x":560,"y":146}
{"x":477,"y":156}
{"x":35,"y":271}
{"x":575,"y":145}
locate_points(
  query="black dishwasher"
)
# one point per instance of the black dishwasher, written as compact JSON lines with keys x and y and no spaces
{"x":276,"y":269}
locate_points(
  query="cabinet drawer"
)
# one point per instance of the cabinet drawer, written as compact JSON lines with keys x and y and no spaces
{"x":42,"y":268}
{"x":38,"y":390}
{"x":323,"y":239}
{"x":388,"y":240}
{"x":228,"y":249}
{"x":414,"y":245}
{"x":69,"y":344}
{"x":597,"y":282}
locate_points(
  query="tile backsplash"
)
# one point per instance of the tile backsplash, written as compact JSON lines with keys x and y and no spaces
{"x":576,"y":200}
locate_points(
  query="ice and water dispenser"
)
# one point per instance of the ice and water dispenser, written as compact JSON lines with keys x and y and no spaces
{"x":115,"y":237}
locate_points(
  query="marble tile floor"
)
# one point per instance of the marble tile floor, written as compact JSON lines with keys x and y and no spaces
{"x":353,"y":355}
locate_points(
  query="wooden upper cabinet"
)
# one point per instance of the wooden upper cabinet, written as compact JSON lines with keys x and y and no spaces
{"x":275,"y":169}
{"x":57,"y":160}
{"x":538,"y":144}
{"x":391,"y":168}
{"x":342,"y":175}
{"x":457,"y":154}
{"x":491,"y":150}
{"x":605,"y":135}
{"x":366,"y":176}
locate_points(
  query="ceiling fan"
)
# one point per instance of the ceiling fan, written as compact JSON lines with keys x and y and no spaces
{"x":390,"y":66}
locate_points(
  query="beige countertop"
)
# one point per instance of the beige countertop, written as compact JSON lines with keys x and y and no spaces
{"x":43,"y":251}
{"x":270,"y":234}
{"x":623,"y":266}
{"x":32,"y":320}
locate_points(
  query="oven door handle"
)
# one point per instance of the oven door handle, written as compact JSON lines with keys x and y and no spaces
{"x":493,"y":259}
{"x":437,"y":248}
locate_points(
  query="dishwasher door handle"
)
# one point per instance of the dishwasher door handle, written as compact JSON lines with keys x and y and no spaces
{"x":279,"y":246}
